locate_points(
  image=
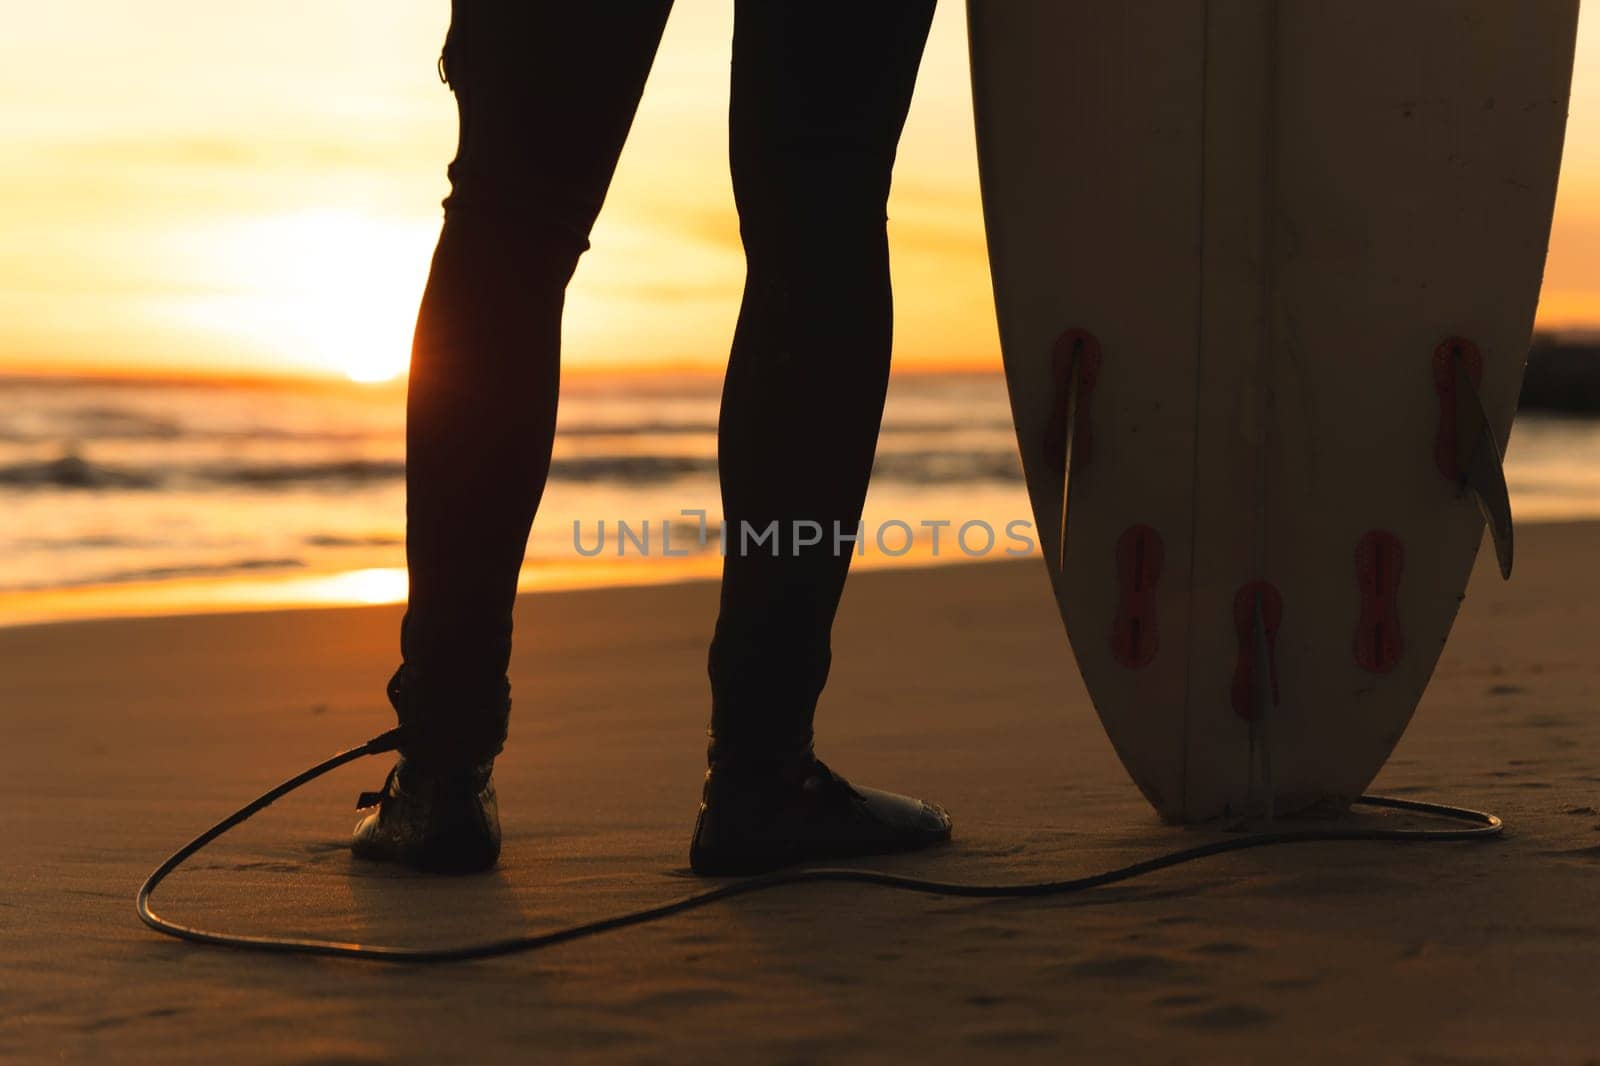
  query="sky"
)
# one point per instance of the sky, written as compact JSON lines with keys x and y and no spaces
{"x":253,"y":188}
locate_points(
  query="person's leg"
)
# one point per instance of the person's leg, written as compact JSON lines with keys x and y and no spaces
{"x":545,"y":92}
{"x":820,"y":94}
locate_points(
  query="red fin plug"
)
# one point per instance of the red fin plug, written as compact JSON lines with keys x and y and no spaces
{"x":1135,"y":636}
{"x":1380,"y":560}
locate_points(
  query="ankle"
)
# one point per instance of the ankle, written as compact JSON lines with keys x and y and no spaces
{"x":761,"y":754}
{"x":416,"y":772}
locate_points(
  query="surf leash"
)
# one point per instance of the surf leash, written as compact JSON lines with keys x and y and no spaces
{"x":1471,"y":825}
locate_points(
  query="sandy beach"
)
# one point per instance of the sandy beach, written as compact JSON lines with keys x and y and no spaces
{"x":125,"y":737}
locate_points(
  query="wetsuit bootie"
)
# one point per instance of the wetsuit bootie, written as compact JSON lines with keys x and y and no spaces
{"x":434,"y":821}
{"x":760,"y":815}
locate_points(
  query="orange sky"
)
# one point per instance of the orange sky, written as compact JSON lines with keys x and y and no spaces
{"x":254,"y":186}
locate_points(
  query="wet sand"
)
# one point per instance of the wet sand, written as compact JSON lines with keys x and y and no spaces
{"x":124,"y":737}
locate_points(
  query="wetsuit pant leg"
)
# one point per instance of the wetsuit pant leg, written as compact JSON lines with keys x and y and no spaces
{"x":545,"y":92}
{"x":820,"y":92}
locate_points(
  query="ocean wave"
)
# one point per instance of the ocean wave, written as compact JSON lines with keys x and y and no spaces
{"x":623,"y":469}
{"x":965,"y":425}
{"x":949,"y":467}
{"x":72,"y":426}
{"x":87,"y":541}
{"x":163,"y":573}
{"x":267,"y":475}
{"x":30,"y":426}
{"x":114,"y":423}
{"x":891,"y":427}
{"x":585,"y":430}
{"x":926,"y":467}
{"x":89,"y":425}
{"x":632,"y":469}
{"x":342,"y":540}
{"x":74,"y":472}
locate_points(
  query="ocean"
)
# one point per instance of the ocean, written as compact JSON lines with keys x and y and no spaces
{"x":145,"y":497}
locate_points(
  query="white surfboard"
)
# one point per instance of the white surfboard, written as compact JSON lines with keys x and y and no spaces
{"x":1271,"y":267}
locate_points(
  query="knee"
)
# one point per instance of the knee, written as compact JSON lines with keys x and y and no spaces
{"x":828,"y":177}
{"x":836,"y":211}
{"x":516,"y":213}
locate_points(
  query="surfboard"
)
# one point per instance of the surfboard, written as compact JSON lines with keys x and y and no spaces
{"x":1265,"y":274}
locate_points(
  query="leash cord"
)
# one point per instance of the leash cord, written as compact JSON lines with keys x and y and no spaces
{"x":1473,"y":825}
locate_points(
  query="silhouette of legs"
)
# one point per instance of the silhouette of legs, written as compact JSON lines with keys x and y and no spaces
{"x":819,"y":96}
{"x":546,"y":93}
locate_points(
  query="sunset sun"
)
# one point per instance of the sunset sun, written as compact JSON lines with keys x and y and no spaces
{"x":333,"y":291}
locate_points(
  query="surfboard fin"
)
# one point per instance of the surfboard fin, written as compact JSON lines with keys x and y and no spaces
{"x":1482,"y":466}
{"x":1068,"y":441}
{"x":1069,"y":433}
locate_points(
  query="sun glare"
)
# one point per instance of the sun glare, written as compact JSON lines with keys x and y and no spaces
{"x":334,"y":290}
{"x":371,"y":586}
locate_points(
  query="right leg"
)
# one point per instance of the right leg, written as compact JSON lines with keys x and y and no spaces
{"x":820,"y":92}
{"x":546,"y":92}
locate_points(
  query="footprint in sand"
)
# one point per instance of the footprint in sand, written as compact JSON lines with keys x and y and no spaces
{"x":1228,"y":1016}
{"x":277,"y":866}
{"x":987,"y":1000}
{"x":1332,"y":883}
{"x":1179,"y":1001}
{"x":1291,"y":984}
{"x":992,"y":932}
{"x":1138,"y":966}
{"x":675,"y":999}
{"x":1010,"y":1037}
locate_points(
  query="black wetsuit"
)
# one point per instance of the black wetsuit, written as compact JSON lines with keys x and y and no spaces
{"x":546,"y":92}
